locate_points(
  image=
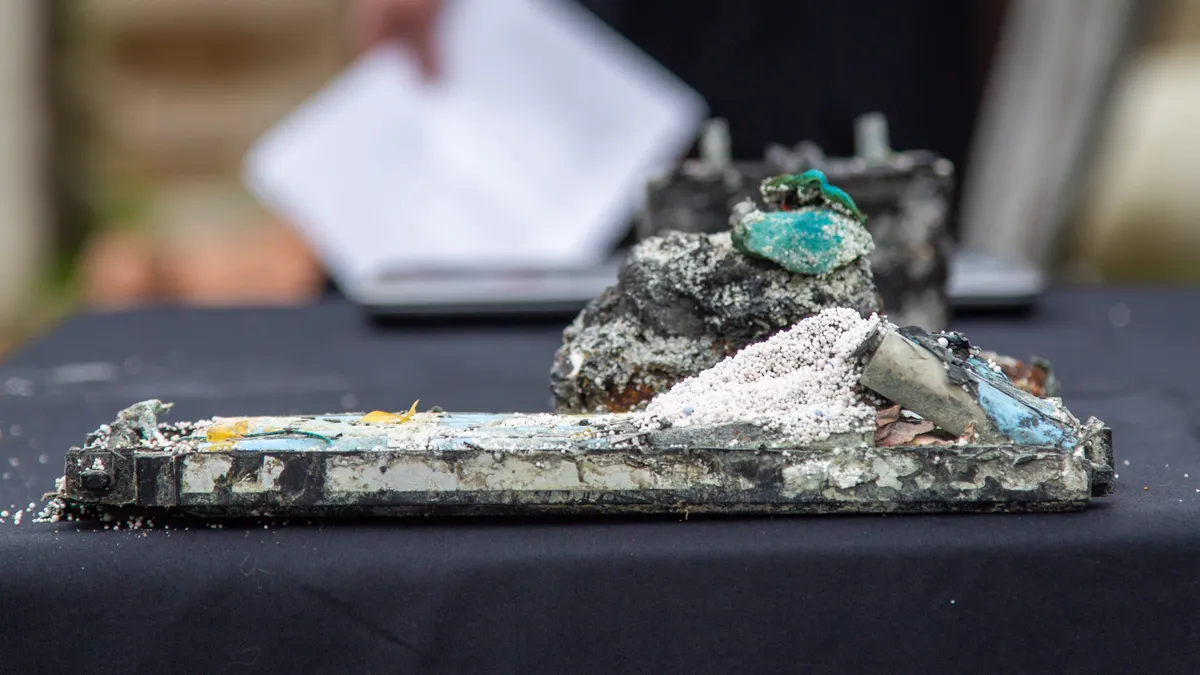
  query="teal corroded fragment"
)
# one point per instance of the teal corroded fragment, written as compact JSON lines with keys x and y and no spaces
{"x":834,"y":195}
{"x":817,"y":230}
{"x":809,"y":188}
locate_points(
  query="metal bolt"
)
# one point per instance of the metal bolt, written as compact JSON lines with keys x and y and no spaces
{"x":95,"y":480}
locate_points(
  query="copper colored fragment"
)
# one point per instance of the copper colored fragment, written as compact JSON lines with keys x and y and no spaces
{"x":939,"y":437}
{"x":1032,"y":378}
{"x":886,"y":416}
{"x":894,"y":428}
{"x":901,"y":432}
{"x":632,"y":397}
{"x":970,"y":435}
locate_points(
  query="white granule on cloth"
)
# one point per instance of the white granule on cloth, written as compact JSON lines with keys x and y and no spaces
{"x":802,"y":382}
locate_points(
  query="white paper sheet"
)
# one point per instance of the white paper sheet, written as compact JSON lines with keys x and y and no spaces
{"x":531,"y":150}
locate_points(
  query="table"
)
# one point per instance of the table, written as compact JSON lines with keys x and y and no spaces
{"x":1113,"y":589}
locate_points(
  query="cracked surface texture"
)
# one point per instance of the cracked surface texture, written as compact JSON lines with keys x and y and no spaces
{"x":683,"y":302}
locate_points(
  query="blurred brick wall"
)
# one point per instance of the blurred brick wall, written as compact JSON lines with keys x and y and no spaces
{"x":171,"y":94}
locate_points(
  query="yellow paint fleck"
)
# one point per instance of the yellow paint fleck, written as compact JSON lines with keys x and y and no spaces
{"x":381,"y":417}
{"x":220,"y":433}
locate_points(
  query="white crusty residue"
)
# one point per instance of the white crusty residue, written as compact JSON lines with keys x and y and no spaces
{"x":802,"y":382}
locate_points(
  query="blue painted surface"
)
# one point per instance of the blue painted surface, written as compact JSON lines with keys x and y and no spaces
{"x":356,"y":443}
{"x":280,"y":444}
{"x":468,"y":420}
{"x":347,"y":417}
{"x":444,"y":431}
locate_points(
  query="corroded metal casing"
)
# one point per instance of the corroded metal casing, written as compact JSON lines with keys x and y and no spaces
{"x":905,"y":196}
{"x":942,"y":378}
{"x":439,"y":463}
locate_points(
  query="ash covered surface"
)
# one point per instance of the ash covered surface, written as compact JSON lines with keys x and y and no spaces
{"x":138,"y":426}
{"x":683,"y":302}
{"x":802,"y":382}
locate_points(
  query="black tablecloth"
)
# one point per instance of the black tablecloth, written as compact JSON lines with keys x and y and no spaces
{"x":1113,"y":589}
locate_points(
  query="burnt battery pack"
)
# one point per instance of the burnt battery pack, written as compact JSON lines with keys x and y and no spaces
{"x":905,"y":196}
{"x":980,"y":442}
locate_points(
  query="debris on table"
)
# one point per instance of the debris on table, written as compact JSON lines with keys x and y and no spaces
{"x":1035,"y":377}
{"x":893,"y":428}
{"x":802,"y":382}
{"x":684,"y":301}
{"x":739,"y":372}
{"x":905,"y":196}
{"x":942,"y":378}
{"x":816,"y":419}
{"x":817,"y":228}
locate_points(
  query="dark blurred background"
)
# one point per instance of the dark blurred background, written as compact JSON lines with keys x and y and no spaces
{"x":123,"y":124}
{"x":781,"y":71}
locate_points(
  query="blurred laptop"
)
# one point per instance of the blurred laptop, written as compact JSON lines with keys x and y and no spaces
{"x":505,"y":184}
{"x":977,"y":282}
{"x":562,"y":291}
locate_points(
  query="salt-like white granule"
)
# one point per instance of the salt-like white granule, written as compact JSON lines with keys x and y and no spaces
{"x":802,"y":382}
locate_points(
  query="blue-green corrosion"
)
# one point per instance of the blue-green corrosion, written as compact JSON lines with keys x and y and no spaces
{"x":1020,"y":416}
{"x":816,"y":179}
{"x":811,"y":188}
{"x":806,"y":242}
{"x":816,"y":230}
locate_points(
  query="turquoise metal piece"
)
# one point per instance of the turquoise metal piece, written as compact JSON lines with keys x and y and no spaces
{"x":1020,"y":422}
{"x":811,"y":188}
{"x":816,"y":178}
{"x":817,"y":229}
{"x":809,"y":241}
{"x":1020,"y":416}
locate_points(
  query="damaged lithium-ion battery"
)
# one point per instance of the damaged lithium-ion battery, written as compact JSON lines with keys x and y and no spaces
{"x":906,"y":196}
{"x":838,"y":414}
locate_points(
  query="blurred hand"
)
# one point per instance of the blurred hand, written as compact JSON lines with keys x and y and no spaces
{"x":411,"y":22}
